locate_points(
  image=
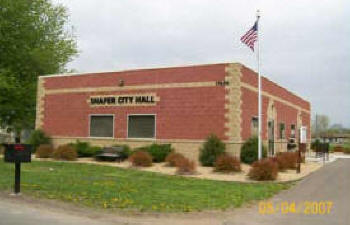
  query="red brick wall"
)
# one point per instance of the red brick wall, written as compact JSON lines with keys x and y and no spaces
{"x":285,"y":113}
{"x":249,"y":109}
{"x":250,"y":77}
{"x":140,"y":77}
{"x":181,"y":113}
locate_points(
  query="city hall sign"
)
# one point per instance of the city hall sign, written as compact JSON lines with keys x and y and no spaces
{"x":124,"y":100}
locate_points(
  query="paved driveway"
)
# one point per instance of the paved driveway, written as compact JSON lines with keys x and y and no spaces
{"x":330,"y":183}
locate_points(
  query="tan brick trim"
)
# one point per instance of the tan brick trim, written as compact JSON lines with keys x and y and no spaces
{"x":129,"y":88}
{"x":134,"y":139}
{"x":142,"y":140}
{"x":275,"y":98}
{"x":233,"y":102}
{"x":271,"y":115}
{"x":40,"y":103}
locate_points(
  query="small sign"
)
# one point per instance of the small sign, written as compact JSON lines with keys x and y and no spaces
{"x":17,"y":153}
{"x":303,"y":135}
{"x":222,"y":83}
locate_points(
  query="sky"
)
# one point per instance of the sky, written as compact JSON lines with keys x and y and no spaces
{"x":305,"y":44}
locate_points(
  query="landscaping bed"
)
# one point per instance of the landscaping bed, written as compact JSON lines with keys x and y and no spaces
{"x":109,"y":187}
{"x":209,"y":173}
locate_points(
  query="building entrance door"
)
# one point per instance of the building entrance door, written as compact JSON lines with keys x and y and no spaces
{"x":271,"y":138}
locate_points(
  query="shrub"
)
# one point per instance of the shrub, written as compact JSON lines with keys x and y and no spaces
{"x":158,"y":151}
{"x":126,"y":152}
{"x":185,"y":166}
{"x":249,"y":151}
{"x":227,"y":163}
{"x":212,"y":148}
{"x":84,"y":149}
{"x":264,"y":169}
{"x":37,"y":138}
{"x":44,"y":151}
{"x":65,"y":152}
{"x":173,"y":158}
{"x":338,"y":148}
{"x":291,"y":144}
{"x":314,"y":144}
{"x":286,"y":160}
{"x":346,"y":150}
{"x":141,"y":158}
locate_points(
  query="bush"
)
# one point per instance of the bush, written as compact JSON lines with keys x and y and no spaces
{"x":346,"y":150}
{"x":286,"y":160}
{"x":84,"y":149}
{"x":338,"y":148}
{"x":291,"y":144}
{"x":65,"y":152}
{"x":158,"y":151}
{"x":37,"y":138}
{"x":212,"y":148}
{"x":126,"y":152}
{"x":314,"y":144}
{"x":227,"y":163}
{"x":264,"y":169}
{"x":173,"y":158}
{"x":185,"y":166}
{"x":141,"y":158}
{"x":44,"y":151}
{"x":249,"y":151}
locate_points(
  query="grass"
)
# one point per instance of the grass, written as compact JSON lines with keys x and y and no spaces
{"x":109,"y":187}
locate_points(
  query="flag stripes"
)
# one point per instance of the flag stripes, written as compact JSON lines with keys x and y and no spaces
{"x":251,"y":37}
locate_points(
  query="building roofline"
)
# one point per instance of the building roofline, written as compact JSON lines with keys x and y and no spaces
{"x":291,"y":92}
{"x":135,"y":70}
{"x":168,"y":67}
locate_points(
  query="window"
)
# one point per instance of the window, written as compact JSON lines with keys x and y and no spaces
{"x":141,"y":126}
{"x":292,"y":130}
{"x":254,"y":126}
{"x":101,"y":125}
{"x":282,"y":131}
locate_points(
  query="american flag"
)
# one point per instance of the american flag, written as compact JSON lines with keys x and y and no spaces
{"x":251,"y":36}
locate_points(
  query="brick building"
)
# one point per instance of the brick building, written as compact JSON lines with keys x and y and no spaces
{"x":178,"y":105}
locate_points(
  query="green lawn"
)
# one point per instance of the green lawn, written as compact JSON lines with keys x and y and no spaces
{"x":108,"y":187}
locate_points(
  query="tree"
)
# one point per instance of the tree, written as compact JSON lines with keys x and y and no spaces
{"x":34,"y":40}
{"x":320,"y":124}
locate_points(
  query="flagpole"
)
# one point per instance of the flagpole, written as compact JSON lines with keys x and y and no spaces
{"x":259,"y":89}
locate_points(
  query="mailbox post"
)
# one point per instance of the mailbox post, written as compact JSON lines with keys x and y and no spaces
{"x":17,"y":154}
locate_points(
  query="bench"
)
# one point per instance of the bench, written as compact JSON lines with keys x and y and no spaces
{"x":111,"y":154}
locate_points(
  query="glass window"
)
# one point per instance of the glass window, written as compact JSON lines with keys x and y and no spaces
{"x":292,"y":130}
{"x":101,"y":126}
{"x":254,"y":126}
{"x":141,"y":126}
{"x":282,"y":131}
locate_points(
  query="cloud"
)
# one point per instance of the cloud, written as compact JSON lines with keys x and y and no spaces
{"x":304,"y":45}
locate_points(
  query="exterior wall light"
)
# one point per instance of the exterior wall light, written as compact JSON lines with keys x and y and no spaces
{"x":121,"y":83}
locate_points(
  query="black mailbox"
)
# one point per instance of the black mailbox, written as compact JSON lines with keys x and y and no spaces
{"x":17,"y":153}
